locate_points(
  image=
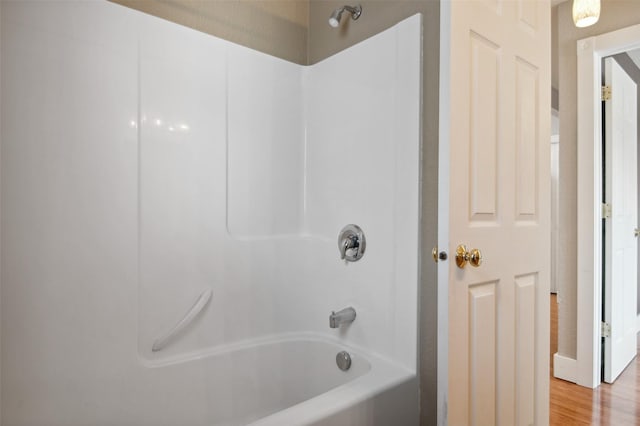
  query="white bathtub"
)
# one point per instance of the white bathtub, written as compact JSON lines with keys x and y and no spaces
{"x":281,"y":381}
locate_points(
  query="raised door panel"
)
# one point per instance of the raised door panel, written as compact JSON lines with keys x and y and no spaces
{"x":482,"y":353}
{"x":525,"y":323}
{"x":484,"y":119}
{"x":526,"y":138}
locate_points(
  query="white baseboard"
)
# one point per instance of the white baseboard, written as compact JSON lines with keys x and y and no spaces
{"x":565,"y":368}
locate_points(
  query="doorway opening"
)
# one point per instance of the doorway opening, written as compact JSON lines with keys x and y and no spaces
{"x":591,"y":51}
{"x":620,"y":78}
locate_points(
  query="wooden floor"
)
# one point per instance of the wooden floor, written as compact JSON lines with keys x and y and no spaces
{"x":570,"y":404}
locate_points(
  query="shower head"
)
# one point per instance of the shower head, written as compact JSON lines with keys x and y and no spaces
{"x":334,"y":19}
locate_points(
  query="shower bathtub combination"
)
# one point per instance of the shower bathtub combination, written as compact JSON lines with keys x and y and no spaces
{"x":172,"y":208}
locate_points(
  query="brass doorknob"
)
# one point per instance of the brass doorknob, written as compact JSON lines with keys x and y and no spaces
{"x":474,"y":257}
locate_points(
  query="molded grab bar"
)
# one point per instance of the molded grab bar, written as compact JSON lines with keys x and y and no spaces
{"x":198,"y":306}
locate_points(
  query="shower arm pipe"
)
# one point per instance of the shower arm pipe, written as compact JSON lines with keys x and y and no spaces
{"x":187,"y":319}
{"x":354,"y":11}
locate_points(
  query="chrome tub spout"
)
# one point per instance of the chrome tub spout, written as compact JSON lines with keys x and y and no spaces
{"x":344,"y":316}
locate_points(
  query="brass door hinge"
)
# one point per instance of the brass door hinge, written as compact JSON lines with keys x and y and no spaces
{"x":606,"y":210}
{"x":606,"y":93}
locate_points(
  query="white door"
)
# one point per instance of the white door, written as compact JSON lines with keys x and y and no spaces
{"x":496,"y":104}
{"x":621,"y":192}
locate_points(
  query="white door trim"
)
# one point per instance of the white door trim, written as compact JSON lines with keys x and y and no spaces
{"x":590,"y":53}
{"x":443,"y":213}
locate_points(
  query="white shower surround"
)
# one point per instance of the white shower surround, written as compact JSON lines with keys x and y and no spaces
{"x":144,"y":162}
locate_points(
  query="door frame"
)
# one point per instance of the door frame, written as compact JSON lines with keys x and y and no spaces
{"x":590,"y":52}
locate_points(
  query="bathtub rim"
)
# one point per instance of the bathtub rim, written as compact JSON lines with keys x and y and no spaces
{"x":370,"y":357}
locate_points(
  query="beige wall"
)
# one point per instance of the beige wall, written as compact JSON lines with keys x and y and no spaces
{"x":615,"y":14}
{"x":554,"y":58}
{"x":0,"y":173}
{"x":325,"y":41}
{"x":276,"y":27}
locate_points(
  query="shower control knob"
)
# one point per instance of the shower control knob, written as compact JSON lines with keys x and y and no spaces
{"x":351,"y":243}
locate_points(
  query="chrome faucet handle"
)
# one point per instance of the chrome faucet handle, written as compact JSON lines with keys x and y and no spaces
{"x":343,"y":249}
{"x":351,"y":243}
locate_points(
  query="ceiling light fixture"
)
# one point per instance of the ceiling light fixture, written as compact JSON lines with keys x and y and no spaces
{"x":586,"y":12}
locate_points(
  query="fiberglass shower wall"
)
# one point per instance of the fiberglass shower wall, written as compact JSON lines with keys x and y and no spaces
{"x":247,"y":177}
{"x":144,"y":163}
{"x":210,"y":126}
